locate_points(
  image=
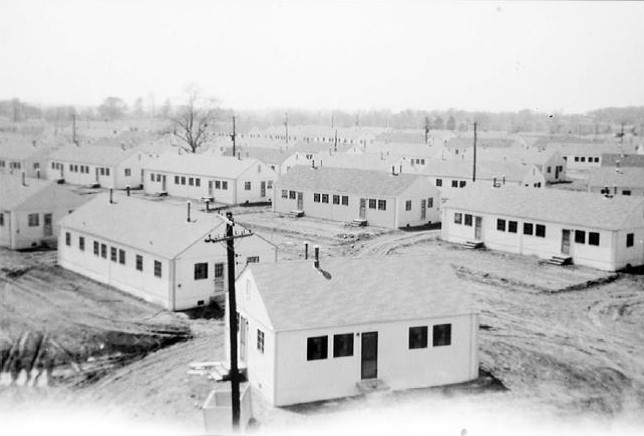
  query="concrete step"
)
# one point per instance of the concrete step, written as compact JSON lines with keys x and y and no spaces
{"x":296,"y":213}
{"x":560,"y":260}
{"x":358,"y":222}
{"x":474,"y":245}
{"x":372,"y":385}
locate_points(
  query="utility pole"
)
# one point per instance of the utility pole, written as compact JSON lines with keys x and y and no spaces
{"x":474,"y":166}
{"x":332,"y":122}
{"x":232,"y":311}
{"x":74,"y":129}
{"x":335,"y":143}
{"x":234,"y":137}
{"x":426,"y":130}
{"x":286,"y":125}
{"x":621,"y":135}
{"x":357,"y":120}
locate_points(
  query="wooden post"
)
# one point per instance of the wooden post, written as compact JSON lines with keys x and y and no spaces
{"x":474,"y":163}
{"x":232,"y":321}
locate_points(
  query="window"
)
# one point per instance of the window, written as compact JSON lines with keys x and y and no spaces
{"x":462,"y":184}
{"x":316,"y":348}
{"x":197,"y":181}
{"x":260,"y":341}
{"x":252,"y":259}
{"x":626,"y":192}
{"x":191,"y":181}
{"x":219,"y":270}
{"x":576,"y":158}
{"x":500,"y":225}
{"x":122,"y":257}
{"x":157,"y":268}
{"x":68,"y":239}
{"x":247,"y":186}
{"x":382,"y":204}
{"x":325,"y":198}
{"x":512,"y":226}
{"x":336,"y":199}
{"x":458,"y":218}
{"x":630,"y":239}
{"x":102,"y":171}
{"x":548,"y":170}
{"x":217,"y":184}
{"x":580,"y":237}
{"x":139,"y":262}
{"x":291,"y":195}
{"x":127,"y":171}
{"x":201,"y":271}
{"x":113,"y":254}
{"x":1,"y":219}
{"x":372,"y":203}
{"x":439,"y":182}
{"x":345,"y":200}
{"x":408,"y":205}
{"x":540,"y":231}
{"x":527,"y":228}
{"x":596,"y":159}
{"x":81,"y":243}
{"x":593,"y":238}
{"x":430,"y":202}
{"x":96,"y":248}
{"x":104,"y":251}
{"x":269,"y":184}
{"x":454,"y":183}
{"x":468,"y":219}
{"x":107,"y":171}
{"x":343,"y":345}
{"x":33,"y":219}
{"x":176,"y":180}
{"x":442,"y":335}
{"x":417,"y":337}
{"x":316,"y":197}
{"x":284,"y":193}
{"x":583,"y":159}
{"x":224,"y":185}
{"x":183,"y":180}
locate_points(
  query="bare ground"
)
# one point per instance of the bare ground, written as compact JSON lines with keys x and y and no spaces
{"x":567,"y":338}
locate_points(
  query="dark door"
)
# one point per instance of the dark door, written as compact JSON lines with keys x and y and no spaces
{"x":163,"y":183}
{"x":300,"y":201}
{"x":565,"y":241}
{"x":369,"y":355}
{"x":363,"y":208}
{"x":423,"y":209}
{"x":47,"y":228}
{"x":478,"y":221}
{"x":262,"y":190}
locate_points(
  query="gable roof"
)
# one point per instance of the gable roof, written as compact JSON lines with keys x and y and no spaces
{"x":550,"y":205}
{"x":460,"y":168}
{"x":482,"y":142}
{"x":202,"y":164}
{"x":13,"y":193}
{"x":297,"y":296}
{"x":92,"y":154}
{"x":154,"y":227}
{"x":625,"y":160}
{"x":349,"y":180}
{"x":264,"y":154}
{"x":20,"y":149}
{"x":624,"y":177}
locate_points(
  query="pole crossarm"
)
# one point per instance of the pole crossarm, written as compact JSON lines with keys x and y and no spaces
{"x":236,"y":235}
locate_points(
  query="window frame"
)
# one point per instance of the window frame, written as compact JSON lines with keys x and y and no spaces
{"x":158,"y":269}
{"x":418,"y":337}
{"x":594,"y":239}
{"x":501,"y":224}
{"x":630,"y":240}
{"x":200,"y":271}
{"x":343,"y":345}
{"x":513,"y":226}
{"x":528,"y":229}
{"x":442,"y":335}
{"x":317,"y":347}
{"x":540,"y":230}
{"x":458,"y":218}
{"x":139,"y":262}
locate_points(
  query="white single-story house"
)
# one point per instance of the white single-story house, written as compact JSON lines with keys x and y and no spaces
{"x":584,"y":156}
{"x":18,"y":155}
{"x":153,"y":250}
{"x":30,"y":210}
{"x":311,"y":331}
{"x":107,"y":166}
{"x":224,"y":179}
{"x":451,"y":176}
{"x":549,"y":162}
{"x":390,"y":200}
{"x":590,"y":229}
{"x":617,"y":181}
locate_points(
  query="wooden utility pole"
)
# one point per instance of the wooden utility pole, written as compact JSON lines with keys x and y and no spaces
{"x":474,"y":165}
{"x":286,"y":125}
{"x":332,"y":122}
{"x":74,"y":129}
{"x":426,"y":130}
{"x":234,"y":137}
{"x":335,"y":143}
{"x":232,"y":311}
{"x":621,"y":135}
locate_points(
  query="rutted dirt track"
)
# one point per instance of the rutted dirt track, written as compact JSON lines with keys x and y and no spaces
{"x":569,"y":337}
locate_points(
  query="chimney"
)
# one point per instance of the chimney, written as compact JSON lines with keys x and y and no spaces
{"x":306,"y":250}
{"x":313,"y":164}
{"x":111,"y":196}
{"x":316,"y":263}
{"x":189,"y":205}
{"x":127,"y":189}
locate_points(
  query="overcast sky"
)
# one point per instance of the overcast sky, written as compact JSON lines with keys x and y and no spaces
{"x":568,"y":56}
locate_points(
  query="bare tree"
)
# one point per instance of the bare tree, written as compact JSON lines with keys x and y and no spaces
{"x":192,"y":121}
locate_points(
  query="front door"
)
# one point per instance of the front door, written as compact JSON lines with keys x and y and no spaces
{"x":477,"y":227}
{"x":47,"y":228}
{"x":163,"y":183}
{"x":423,"y":209}
{"x":363,"y":208}
{"x":262,"y":190}
{"x":210,"y":191}
{"x":369,"y":355}
{"x":300,"y":201}
{"x":557,"y":172}
{"x":96,"y":174}
{"x":565,"y":241}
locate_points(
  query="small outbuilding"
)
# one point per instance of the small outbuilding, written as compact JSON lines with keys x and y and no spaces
{"x":314,"y":330}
